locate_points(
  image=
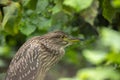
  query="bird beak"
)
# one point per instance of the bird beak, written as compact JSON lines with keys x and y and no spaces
{"x":72,"y":40}
{"x":75,"y":39}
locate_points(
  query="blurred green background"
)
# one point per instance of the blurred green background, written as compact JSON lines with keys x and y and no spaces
{"x":97,"y":21}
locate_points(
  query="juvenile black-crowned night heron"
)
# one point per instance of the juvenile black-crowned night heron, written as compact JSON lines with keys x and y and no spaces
{"x":37,"y":55}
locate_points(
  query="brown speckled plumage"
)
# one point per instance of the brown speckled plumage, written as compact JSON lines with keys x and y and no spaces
{"x":36,"y":56}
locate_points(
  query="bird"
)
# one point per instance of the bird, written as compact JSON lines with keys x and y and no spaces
{"x":37,"y":55}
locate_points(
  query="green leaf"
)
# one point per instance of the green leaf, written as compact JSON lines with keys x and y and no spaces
{"x":116,"y":3}
{"x":4,"y":2}
{"x":72,"y":57}
{"x":108,"y":10}
{"x":27,"y":29}
{"x":59,"y":19}
{"x":111,"y":38}
{"x":12,"y":18}
{"x":113,"y":58}
{"x":78,"y":5}
{"x":42,"y":5}
{"x":95,"y":57}
{"x":44,"y":23}
{"x":31,"y":4}
{"x":4,"y":50}
{"x":99,"y":73}
{"x":90,"y":13}
{"x":58,"y":7}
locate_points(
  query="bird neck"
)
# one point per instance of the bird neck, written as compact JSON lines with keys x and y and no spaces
{"x":41,"y":74}
{"x":51,"y":56}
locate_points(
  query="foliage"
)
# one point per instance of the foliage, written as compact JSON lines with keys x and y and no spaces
{"x":78,"y":5}
{"x":97,"y":21}
{"x":100,"y":73}
{"x":107,"y":52}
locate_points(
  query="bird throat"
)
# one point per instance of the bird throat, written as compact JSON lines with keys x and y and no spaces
{"x":50,"y":58}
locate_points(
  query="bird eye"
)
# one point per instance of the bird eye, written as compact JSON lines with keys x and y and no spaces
{"x":63,"y":36}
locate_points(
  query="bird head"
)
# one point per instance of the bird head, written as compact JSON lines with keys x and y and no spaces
{"x":61,"y":39}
